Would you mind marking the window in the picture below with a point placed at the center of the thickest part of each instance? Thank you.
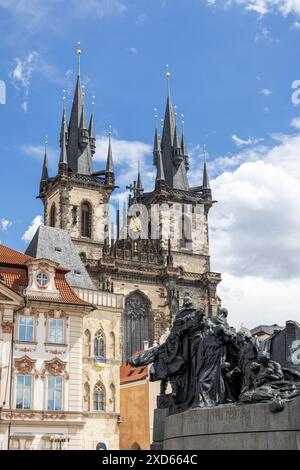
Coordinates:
(99, 344)
(86, 213)
(42, 279)
(54, 402)
(56, 331)
(24, 392)
(53, 216)
(26, 329)
(99, 397)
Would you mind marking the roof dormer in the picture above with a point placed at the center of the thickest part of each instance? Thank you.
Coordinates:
(41, 279)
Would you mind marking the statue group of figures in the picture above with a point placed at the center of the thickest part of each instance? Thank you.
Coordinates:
(207, 363)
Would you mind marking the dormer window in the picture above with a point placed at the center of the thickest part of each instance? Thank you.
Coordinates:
(42, 279)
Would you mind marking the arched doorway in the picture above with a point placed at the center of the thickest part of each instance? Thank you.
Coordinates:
(136, 323)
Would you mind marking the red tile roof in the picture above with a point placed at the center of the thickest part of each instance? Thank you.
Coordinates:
(9, 256)
(13, 271)
(130, 374)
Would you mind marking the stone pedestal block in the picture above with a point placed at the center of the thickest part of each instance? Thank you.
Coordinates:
(229, 427)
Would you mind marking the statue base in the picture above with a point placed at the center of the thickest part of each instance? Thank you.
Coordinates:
(229, 427)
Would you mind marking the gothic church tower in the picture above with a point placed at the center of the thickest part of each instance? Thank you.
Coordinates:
(74, 198)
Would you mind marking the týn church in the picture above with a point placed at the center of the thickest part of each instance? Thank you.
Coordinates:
(131, 270)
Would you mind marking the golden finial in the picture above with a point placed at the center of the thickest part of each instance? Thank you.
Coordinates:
(93, 103)
(78, 52)
(46, 143)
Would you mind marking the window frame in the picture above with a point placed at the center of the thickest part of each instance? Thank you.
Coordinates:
(86, 230)
(21, 376)
(52, 215)
(55, 378)
(101, 390)
(32, 340)
(63, 331)
(99, 335)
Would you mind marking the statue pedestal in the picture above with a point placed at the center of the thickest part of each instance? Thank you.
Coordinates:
(229, 427)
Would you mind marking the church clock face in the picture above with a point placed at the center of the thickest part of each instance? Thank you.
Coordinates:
(136, 224)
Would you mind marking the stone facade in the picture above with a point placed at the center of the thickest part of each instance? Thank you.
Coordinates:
(102, 425)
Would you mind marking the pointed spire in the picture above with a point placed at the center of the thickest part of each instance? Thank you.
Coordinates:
(139, 186)
(205, 184)
(79, 151)
(63, 160)
(160, 182)
(45, 174)
(109, 177)
(183, 142)
(172, 157)
(92, 130)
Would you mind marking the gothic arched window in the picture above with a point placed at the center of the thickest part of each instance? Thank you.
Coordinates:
(53, 215)
(186, 229)
(99, 344)
(87, 343)
(136, 324)
(99, 397)
(86, 220)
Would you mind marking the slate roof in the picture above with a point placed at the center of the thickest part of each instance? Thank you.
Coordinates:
(56, 245)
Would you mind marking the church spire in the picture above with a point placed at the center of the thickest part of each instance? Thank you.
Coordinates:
(184, 146)
(45, 174)
(110, 173)
(160, 182)
(139, 186)
(79, 151)
(92, 130)
(63, 160)
(205, 185)
(172, 157)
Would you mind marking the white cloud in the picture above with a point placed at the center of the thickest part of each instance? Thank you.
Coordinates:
(295, 123)
(126, 155)
(296, 25)
(261, 7)
(99, 8)
(133, 50)
(241, 142)
(37, 12)
(5, 224)
(29, 233)
(21, 75)
(255, 232)
(38, 152)
(265, 92)
(256, 301)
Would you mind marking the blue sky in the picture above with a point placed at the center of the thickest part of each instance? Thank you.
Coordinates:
(232, 65)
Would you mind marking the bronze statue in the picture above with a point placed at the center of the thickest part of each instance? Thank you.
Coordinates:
(208, 364)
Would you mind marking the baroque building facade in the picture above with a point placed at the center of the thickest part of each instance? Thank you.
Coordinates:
(41, 349)
(160, 249)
